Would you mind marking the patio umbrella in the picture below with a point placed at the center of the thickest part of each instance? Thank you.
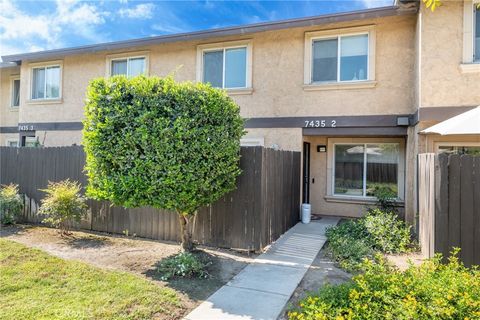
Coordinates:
(465, 123)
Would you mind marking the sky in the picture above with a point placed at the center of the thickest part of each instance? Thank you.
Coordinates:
(29, 26)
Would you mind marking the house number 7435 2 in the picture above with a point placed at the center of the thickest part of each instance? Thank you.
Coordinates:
(320, 123)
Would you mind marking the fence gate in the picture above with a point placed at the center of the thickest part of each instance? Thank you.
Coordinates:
(449, 205)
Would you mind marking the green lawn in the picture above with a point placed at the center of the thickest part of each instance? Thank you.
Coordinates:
(36, 285)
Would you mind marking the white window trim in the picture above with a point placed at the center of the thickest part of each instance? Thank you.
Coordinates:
(469, 65)
(331, 166)
(252, 142)
(58, 63)
(12, 79)
(7, 142)
(127, 56)
(437, 145)
(338, 33)
(224, 46)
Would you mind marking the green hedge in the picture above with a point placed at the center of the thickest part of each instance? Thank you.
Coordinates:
(155, 142)
(430, 291)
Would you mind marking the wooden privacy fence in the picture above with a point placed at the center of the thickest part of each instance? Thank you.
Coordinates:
(449, 205)
(264, 205)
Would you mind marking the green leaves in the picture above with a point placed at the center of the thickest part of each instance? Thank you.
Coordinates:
(155, 142)
(430, 291)
(63, 204)
(11, 204)
(353, 241)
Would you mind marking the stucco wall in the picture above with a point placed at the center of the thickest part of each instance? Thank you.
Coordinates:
(278, 71)
(442, 82)
(8, 115)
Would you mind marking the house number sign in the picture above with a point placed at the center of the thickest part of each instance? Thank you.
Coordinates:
(25, 128)
(320, 124)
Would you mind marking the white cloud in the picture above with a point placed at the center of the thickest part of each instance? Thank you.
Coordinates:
(140, 11)
(24, 32)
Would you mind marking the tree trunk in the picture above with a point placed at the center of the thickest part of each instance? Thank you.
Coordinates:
(186, 231)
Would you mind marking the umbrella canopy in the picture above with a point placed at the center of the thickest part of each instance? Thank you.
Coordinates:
(465, 123)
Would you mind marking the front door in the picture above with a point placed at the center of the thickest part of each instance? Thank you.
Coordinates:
(306, 173)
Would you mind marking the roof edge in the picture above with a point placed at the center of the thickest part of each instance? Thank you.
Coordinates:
(220, 32)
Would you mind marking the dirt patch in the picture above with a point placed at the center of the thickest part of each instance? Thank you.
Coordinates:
(321, 272)
(135, 255)
(403, 261)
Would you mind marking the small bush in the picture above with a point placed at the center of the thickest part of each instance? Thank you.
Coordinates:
(63, 204)
(387, 233)
(430, 291)
(351, 242)
(184, 265)
(11, 204)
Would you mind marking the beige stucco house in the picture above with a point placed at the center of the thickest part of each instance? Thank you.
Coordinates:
(351, 91)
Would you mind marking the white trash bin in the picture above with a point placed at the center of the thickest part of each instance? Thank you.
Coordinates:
(306, 212)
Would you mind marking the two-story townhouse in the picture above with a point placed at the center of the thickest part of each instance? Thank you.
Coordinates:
(351, 91)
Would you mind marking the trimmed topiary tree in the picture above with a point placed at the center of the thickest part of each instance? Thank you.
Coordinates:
(151, 141)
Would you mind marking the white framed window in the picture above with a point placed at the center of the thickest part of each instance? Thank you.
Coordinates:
(225, 65)
(130, 65)
(340, 56)
(15, 91)
(469, 148)
(12, 143)
(358, 167)
(252, 142)
(471, 37)
(46, 81)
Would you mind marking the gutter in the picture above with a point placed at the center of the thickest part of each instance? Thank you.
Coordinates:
(220, 32)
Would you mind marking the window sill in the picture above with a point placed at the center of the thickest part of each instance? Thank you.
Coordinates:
(45, 101)
(472, 67)
(13, 109)
(357, 200)
(340, 85)
(239, 92)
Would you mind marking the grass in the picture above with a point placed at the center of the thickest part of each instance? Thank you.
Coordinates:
(36, 285)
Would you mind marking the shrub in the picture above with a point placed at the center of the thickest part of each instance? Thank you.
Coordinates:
(185, 265)
(63, 204)
(11, 204)
(151, 141)
(387, 233)
(430, 291)
(350, 242)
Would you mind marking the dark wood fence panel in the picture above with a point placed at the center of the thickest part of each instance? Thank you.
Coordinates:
(455, 221)
(264, 205)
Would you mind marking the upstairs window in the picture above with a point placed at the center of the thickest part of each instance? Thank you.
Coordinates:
(15, 98)
(130, 67)
(46, 82)
(225, 68)
(226, 65)
(342, 58)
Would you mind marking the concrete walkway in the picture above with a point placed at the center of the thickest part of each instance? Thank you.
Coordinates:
(261, 290)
